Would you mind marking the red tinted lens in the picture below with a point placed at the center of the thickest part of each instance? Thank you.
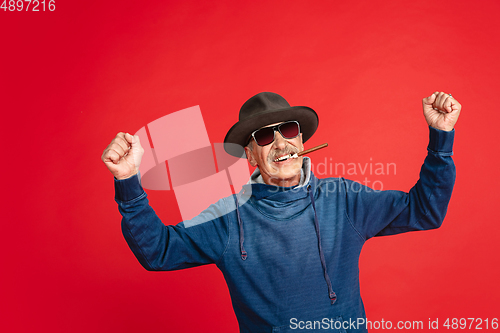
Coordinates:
(289, 130)
(264, 136)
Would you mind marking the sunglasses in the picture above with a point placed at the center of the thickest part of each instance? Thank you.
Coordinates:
(266, 135)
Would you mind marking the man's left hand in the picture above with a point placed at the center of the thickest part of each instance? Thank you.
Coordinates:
(441, 110)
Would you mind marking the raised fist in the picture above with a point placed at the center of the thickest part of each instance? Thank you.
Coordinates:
(441, 110)
(123, 155)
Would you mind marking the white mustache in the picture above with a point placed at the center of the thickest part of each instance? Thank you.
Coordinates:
(272, 156)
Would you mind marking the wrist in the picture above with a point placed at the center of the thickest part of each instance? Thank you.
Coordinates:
(125, 176)
(444, 127)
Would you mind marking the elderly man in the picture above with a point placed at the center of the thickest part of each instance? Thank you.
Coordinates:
(288, 243)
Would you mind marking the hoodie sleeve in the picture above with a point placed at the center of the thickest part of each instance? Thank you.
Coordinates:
(380, 213)
(159, 247)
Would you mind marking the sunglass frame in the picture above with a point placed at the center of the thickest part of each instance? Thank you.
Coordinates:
(276, 128)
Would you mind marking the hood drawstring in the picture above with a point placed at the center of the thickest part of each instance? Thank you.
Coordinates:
(331, 293)
(240, 225)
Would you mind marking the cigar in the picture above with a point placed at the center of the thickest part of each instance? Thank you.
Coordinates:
(296, 155)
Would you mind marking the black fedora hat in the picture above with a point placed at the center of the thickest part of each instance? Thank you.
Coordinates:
(264, 109)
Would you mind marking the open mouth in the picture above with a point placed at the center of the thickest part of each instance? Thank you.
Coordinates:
(296, 155)
(283, 158)
(286, 157)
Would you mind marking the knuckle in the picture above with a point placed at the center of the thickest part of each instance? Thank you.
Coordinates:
(115, 146)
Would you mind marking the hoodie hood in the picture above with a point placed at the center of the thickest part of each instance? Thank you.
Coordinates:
(305, 174)
(275, 202)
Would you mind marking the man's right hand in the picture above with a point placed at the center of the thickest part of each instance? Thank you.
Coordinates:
(123, 155)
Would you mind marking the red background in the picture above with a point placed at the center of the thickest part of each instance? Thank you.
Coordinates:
(72, 78)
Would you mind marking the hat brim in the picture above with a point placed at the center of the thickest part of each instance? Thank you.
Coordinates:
(237, 137)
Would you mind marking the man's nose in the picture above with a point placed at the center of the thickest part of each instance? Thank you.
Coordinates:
(279, 141)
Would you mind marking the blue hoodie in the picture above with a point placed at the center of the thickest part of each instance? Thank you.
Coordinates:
(290, 255)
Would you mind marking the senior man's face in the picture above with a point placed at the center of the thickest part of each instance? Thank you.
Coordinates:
(285, 173)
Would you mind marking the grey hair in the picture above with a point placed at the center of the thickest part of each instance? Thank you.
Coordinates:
(250, 144)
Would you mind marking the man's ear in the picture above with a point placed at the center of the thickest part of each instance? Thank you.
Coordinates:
(250, 157)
